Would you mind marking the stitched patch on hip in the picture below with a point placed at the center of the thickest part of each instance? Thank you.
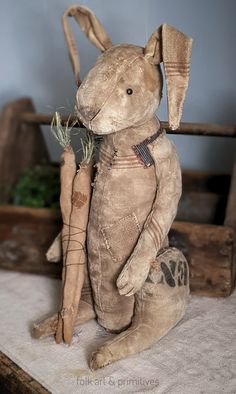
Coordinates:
(120, 238)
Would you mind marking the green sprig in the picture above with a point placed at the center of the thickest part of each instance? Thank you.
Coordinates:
(87, 147)
(63, 136)
(62, 133)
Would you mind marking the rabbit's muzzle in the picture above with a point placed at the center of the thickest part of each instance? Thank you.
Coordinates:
(87, 113)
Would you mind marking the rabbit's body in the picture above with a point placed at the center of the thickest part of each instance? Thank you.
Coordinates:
(136, 278)
(123, 195)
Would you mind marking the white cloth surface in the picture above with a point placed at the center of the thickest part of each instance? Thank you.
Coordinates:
(198, 356)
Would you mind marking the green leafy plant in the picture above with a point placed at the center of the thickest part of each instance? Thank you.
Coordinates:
(38, 187)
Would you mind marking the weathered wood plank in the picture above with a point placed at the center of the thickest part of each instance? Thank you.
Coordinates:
(14, 380)
(209, 251)
(21, 145)
(202, 207)
(230, 217)
(185, 128)
(206, 182)
(26, 233)
(204, 129)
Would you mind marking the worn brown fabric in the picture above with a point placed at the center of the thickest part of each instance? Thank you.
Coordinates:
(133, 206)
(159, 305)
(129, 219)
(91, 27)
(140, 285)
(173, 48)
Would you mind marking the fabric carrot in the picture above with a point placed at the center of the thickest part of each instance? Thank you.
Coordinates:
(54, 253)
(74, 201)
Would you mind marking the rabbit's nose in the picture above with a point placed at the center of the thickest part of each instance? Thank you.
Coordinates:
(87, 112)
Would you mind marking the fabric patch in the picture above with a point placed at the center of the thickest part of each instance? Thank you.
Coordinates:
(79, 199)
(121, 237)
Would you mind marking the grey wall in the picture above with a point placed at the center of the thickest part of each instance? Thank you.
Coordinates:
(34, 61)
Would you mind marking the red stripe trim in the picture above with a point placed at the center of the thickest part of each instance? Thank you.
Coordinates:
(118, 158)
(178, 65)
(157, 225)
(121, 166)
(107, 162)
(134, 160)
(170, 62)
(120, 162)
(154, 234)
(127, 166)
(180, 74)
(177, 68)
(107, 155)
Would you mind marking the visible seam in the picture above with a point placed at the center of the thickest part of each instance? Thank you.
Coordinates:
(126, 67)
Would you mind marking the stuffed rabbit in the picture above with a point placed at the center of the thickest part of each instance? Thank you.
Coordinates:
(140, 285)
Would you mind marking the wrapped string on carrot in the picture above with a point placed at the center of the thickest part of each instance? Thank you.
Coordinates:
(74, 202)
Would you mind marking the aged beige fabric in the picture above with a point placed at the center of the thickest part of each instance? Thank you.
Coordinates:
(140, 285)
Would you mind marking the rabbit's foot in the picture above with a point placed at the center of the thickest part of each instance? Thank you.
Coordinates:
(48, 327)
(100, 358)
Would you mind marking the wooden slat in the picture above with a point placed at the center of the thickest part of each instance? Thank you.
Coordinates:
(14, 380)
(203, 129)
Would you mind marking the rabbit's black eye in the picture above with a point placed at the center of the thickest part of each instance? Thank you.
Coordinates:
(129, 91)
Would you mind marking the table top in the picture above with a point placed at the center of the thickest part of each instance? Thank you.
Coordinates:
(197, 356)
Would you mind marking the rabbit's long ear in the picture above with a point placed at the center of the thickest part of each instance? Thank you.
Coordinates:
(91, 27)
(173, 48)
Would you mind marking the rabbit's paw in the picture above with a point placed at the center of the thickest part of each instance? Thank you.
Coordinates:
(100, 358)
(132, 277)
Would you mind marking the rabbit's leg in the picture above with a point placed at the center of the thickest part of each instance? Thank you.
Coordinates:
(159, 306)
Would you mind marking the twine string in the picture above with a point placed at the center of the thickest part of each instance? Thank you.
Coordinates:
(69, 239)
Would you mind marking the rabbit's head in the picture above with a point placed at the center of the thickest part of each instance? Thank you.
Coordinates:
(124, 87)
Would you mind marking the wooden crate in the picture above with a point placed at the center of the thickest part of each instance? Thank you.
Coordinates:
(21, 144)
(204, 229)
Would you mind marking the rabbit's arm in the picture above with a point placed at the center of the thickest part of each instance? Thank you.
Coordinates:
(159, 221)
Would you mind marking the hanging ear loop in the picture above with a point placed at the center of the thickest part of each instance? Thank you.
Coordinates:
(70, 40)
